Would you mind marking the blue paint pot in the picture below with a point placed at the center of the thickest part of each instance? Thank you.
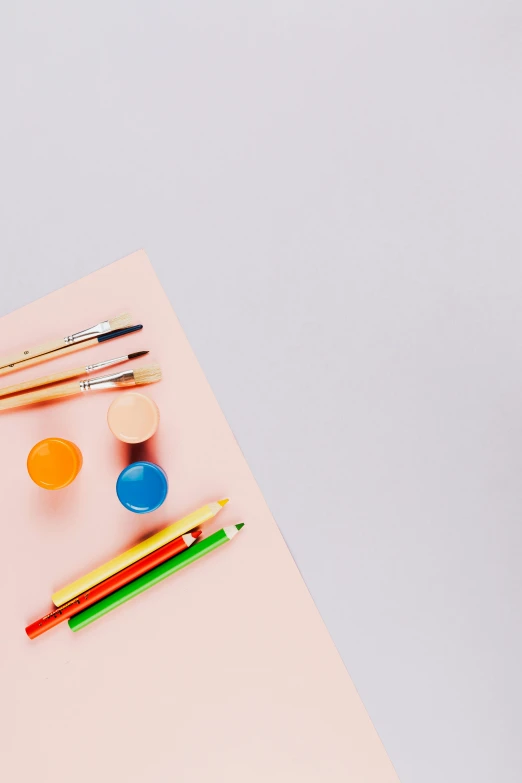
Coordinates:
(142, 487)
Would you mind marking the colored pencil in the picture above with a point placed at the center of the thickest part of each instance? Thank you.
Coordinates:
(120, 322)
(76, 372)
(196, 519)
(71, 348)
(151, 578)
(111, 585)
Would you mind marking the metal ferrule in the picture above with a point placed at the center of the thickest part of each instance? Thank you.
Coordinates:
(92, 331)
(101, 365)
(109, 381)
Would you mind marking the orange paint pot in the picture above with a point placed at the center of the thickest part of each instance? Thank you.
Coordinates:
(54, 463)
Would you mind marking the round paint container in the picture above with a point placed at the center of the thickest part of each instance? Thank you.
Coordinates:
(133, 417)
(54, 463)
(142, 487)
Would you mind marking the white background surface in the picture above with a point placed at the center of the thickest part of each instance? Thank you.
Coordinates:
(331, 196)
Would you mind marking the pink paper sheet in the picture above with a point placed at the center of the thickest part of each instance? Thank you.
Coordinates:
(224, 672)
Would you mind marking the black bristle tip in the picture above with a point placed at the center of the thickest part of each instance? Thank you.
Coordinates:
(119, 333)
(137, 354)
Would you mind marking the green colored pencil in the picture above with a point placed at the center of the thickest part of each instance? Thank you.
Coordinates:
(202, 547)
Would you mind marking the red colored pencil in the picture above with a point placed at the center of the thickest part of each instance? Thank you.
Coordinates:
(110, 585)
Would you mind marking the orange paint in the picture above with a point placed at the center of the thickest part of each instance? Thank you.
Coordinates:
(54, 463)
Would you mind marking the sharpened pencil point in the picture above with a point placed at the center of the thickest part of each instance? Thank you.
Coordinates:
(196, 533)
(241, 524)
(223, 502)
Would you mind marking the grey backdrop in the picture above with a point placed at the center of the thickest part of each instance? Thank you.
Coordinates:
(331, 195)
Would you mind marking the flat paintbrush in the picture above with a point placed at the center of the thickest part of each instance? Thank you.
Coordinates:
(71, 348)
(137, 377)
(77, 372)
(120, 322)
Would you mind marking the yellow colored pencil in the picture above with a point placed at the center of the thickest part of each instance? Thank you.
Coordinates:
(105, 571)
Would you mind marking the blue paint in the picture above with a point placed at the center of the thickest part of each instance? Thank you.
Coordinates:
(142, 487)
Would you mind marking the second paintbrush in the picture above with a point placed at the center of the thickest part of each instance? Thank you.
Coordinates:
(136, 377)
(77, 372)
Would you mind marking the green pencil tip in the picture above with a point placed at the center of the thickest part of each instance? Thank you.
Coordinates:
(241, 524)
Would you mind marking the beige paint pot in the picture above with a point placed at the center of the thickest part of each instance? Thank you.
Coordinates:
(133, 417)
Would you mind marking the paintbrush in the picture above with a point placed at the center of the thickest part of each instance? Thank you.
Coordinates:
(71, 348)
(120, 322)
(77, 372)
(137, 377)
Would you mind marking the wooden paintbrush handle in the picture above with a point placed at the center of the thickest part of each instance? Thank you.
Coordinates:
(31, 353)
(45, 380)
(48, 356)
(42, 395)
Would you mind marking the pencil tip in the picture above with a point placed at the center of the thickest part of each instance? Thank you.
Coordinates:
(240, 525)
(196, 533)
(223, 502)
